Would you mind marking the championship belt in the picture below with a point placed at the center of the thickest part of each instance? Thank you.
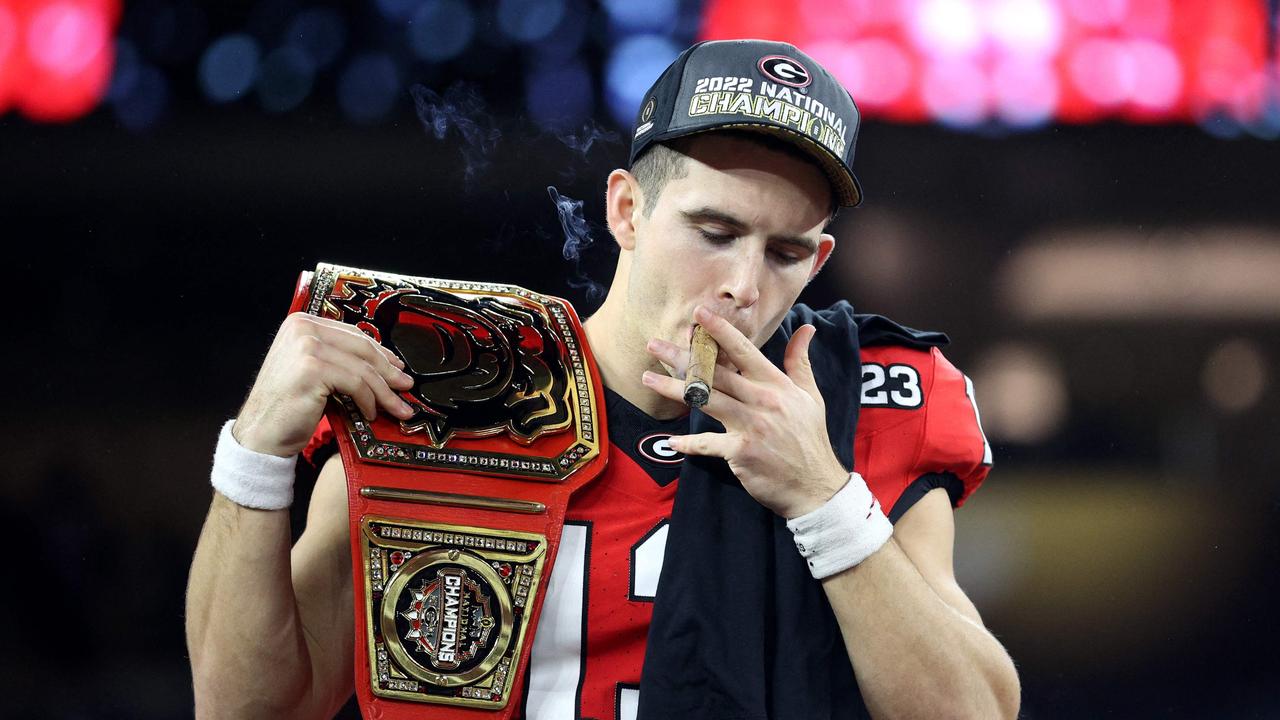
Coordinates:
(456, 512)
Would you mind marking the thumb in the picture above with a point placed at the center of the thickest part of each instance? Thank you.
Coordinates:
(796, 360)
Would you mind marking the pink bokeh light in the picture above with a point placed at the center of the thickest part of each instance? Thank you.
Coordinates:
(1025, 62)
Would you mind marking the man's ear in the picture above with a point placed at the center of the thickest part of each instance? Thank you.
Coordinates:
(622, 204)
(826, 244)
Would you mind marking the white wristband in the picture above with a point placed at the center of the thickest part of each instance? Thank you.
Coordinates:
(843, 532)
(249, 478)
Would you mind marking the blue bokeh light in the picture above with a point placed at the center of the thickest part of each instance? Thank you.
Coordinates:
(321, 33)
(368, 88)
(285, 79)
(1222, 125)
(631, 16)
(398, 10)
(559, 96)
(229, 67)
(529, 20)
(268, 18)
(634, 66)
(141, 105)
(441, 29)
(1267, 125)
(564, 42)
(125, 73)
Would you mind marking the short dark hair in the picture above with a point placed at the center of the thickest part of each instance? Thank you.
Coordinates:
(663, 162)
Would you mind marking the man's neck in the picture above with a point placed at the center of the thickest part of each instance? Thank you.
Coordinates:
(622, 358)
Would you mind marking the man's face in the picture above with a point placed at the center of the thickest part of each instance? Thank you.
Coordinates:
(741, 233)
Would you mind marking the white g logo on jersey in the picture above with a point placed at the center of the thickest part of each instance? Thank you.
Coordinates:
(657, 448)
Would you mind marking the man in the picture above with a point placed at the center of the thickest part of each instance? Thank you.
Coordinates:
(740, 157)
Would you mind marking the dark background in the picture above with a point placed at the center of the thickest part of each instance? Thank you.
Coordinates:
(1126, 555)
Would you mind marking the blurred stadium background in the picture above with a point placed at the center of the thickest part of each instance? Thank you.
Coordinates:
(1083, 193)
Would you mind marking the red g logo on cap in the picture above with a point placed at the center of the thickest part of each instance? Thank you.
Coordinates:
(785, 70)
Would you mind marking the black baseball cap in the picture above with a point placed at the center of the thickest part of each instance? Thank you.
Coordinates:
(758, 86)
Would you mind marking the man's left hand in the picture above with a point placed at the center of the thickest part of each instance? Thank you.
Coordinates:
(775, 438)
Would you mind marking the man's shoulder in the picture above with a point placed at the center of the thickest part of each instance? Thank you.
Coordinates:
(872, 329)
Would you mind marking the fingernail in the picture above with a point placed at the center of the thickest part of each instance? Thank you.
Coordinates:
(647, 378)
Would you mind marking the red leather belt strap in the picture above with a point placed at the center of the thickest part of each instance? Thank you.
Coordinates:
(456, 513)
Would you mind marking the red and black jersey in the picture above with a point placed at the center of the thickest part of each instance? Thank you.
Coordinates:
(918, 429)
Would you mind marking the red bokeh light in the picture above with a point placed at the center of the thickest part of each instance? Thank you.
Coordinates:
(56, 56)
(1025, 61)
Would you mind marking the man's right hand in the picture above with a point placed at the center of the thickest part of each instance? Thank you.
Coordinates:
(310, 359)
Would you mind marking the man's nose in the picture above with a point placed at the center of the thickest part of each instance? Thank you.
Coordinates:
(741, 286)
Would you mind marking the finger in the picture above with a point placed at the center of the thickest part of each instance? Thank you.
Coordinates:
(358, 376)
(342, 381)
(677, 357)
(715, 444)
(737, 346)
(357, 341)
(352, 341)
(726, 377)
(720, 405)
(796, 359)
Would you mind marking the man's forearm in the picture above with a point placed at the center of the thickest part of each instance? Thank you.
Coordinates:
(248, 654)
(914, 655)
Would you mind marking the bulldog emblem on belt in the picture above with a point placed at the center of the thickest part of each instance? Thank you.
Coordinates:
(481, 366)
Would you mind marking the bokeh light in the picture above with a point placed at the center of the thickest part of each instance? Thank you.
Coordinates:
(988, 64)
(956, 92)
(529, 20)
(141, 103)
(8, 56)
(321, 33)
(441, 30)
(285, 79)
(64, 38)
(653, 16)
(1025, 27)
(1025, 91)
(59, 57)
(634, 66)
(1022, 392)
(398, 10)
(229, 67)
(947, 27)
(1235, 375)
(559, 96)
(125, 73)
(368, 88)
(564, 41)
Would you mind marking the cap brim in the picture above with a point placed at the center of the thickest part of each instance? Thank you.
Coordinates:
(848, 190)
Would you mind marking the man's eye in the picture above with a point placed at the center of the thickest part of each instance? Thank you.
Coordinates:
(785, 258)
(716, 238)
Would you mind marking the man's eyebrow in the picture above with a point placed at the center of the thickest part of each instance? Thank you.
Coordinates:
(705, 214)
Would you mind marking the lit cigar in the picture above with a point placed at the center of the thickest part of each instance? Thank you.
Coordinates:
(702, 367)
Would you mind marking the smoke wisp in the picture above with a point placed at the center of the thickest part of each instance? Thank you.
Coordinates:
(582, 140)
(577, 238)
(462, 110)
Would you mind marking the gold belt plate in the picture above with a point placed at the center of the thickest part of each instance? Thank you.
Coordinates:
(447, 609)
